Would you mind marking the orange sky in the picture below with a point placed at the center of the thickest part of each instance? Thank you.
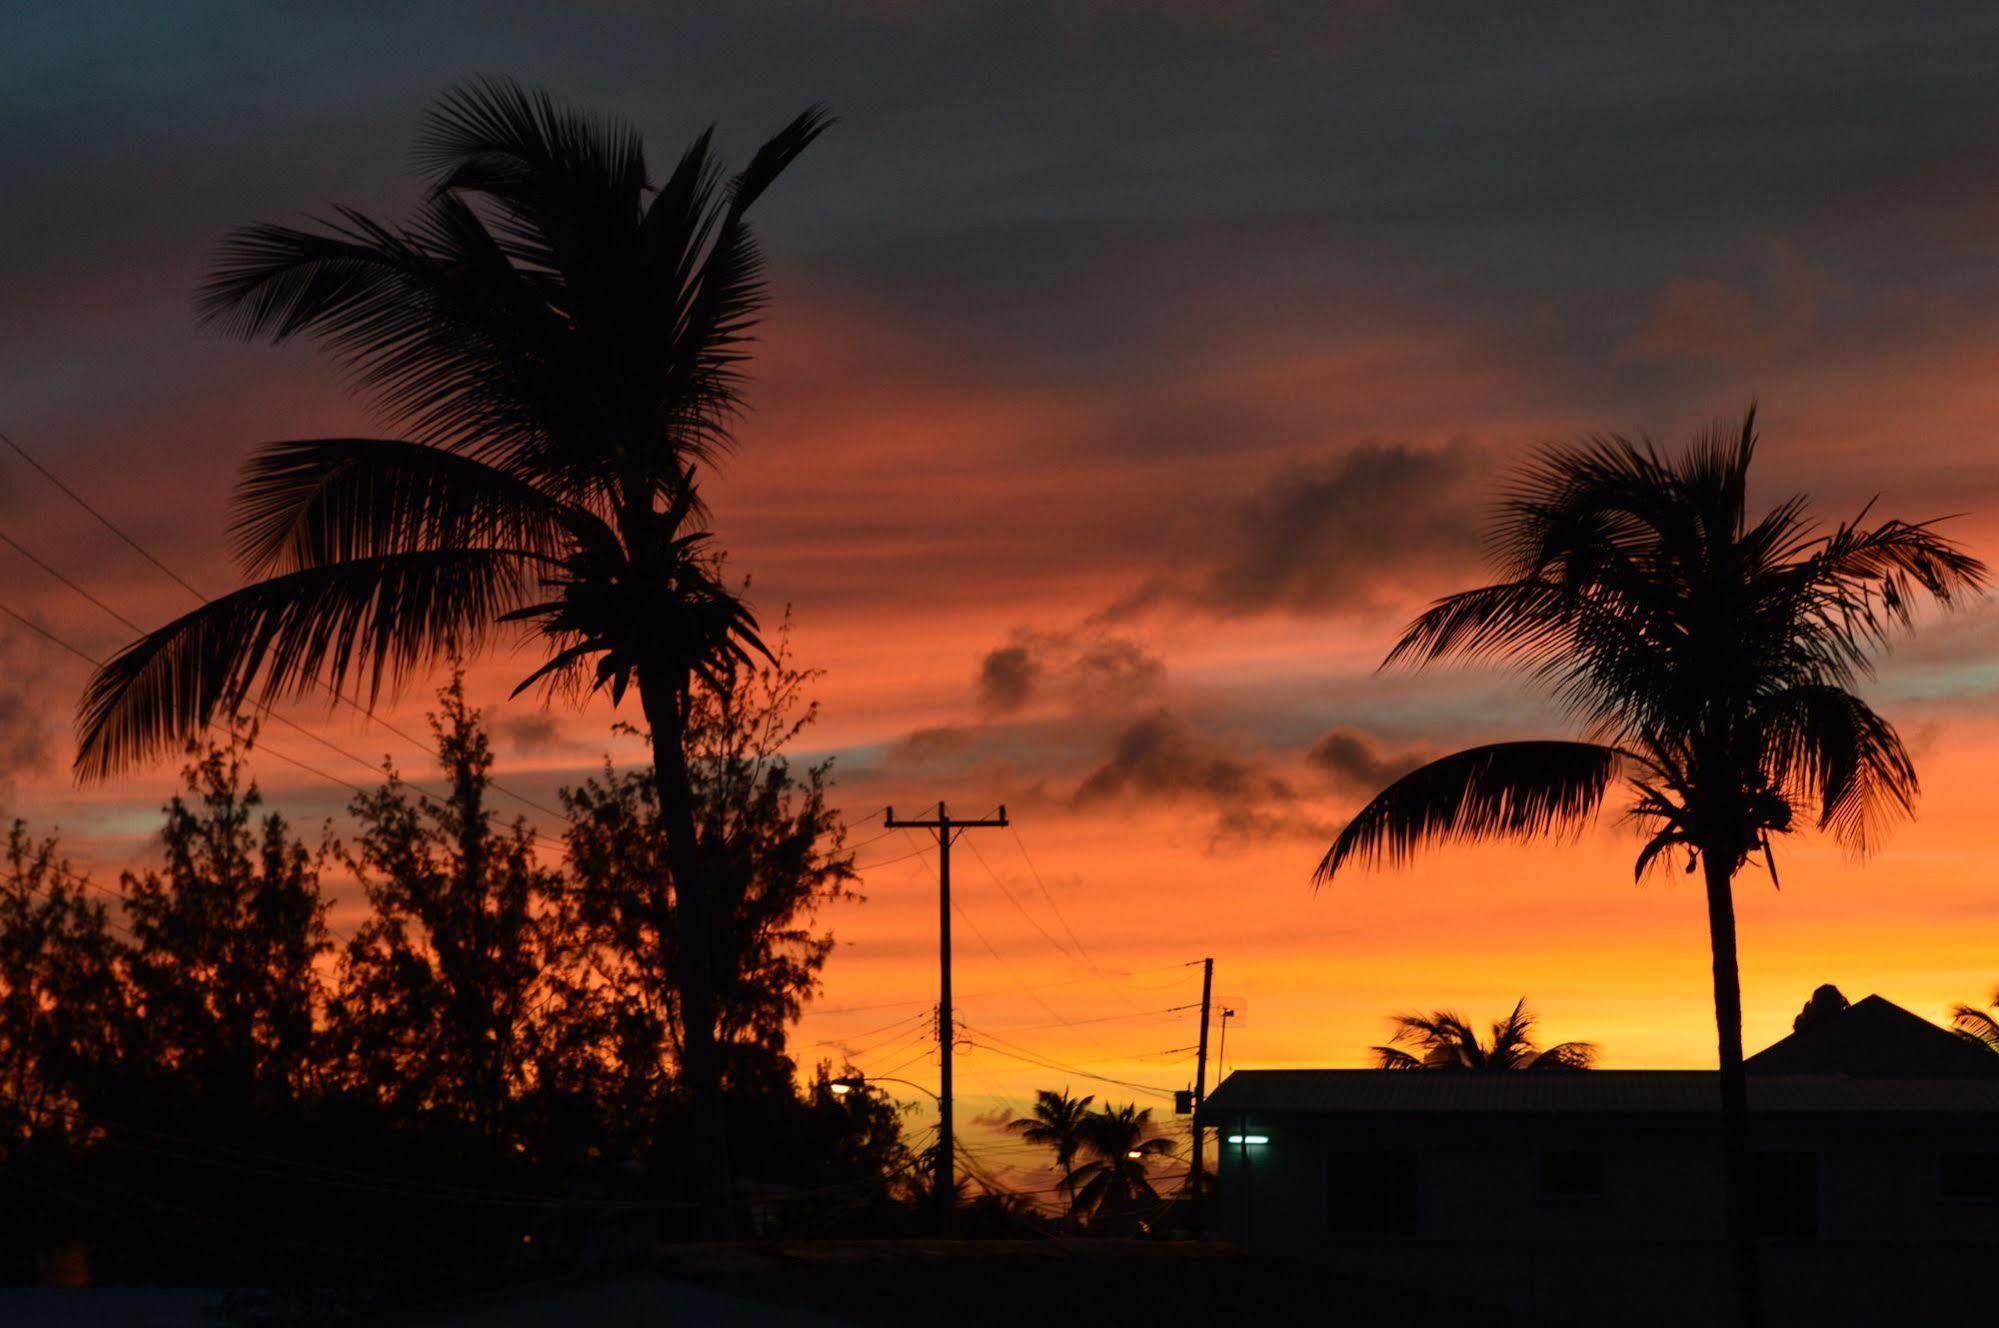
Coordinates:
(1180, 404)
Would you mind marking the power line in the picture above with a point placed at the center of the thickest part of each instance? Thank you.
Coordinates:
(1101, 975)
(102, 520)
(1049, 895)
(1100, 1019)
(88, 658)
(127, 623)
(1032, 921)
(1018, 1052)
(182, 581)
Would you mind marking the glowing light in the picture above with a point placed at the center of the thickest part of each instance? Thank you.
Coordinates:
(1249, 1138)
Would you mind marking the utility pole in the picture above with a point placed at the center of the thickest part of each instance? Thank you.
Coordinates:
(1201, 1086)
(947, 1033)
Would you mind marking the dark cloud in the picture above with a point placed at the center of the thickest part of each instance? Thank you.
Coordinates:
(27, 740)
(1111, 670)
(998, 1118)
(1331, 535)
(932, 744)
(1162, 757)
(1354, 763)
(1087, 669)
(1006, 678)
(538, 732)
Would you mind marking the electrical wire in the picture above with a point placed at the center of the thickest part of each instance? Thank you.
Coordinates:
(183, 582)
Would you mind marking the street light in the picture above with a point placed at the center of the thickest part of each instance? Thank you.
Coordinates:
(858, 1083)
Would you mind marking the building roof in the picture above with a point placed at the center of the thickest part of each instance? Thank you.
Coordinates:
(1619, 1092)
(1875, 1039)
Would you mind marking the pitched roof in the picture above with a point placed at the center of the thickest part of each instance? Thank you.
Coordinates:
(1637, 1092)
(1875, 1039)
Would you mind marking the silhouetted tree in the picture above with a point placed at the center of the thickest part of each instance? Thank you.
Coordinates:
(564, 343)
(1978, 1025)
(763, 831)
(1442, 1040)
(439, 990)
(1108, 1188)
(1057, 1125)
(222, 968)
(1827, 1002)
(61, 1006)
(1709, 656)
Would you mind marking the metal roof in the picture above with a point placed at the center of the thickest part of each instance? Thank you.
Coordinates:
(1632, 1092)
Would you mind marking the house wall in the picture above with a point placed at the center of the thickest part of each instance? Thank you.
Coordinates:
(1648, 1249)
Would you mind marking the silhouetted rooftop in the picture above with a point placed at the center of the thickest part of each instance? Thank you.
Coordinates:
(1644, 1092)
(1875, 1039)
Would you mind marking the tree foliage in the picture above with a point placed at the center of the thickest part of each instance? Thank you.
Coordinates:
(1445, 1040)
(1113, 1186)
(483, 1076)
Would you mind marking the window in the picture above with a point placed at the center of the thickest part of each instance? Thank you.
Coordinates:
(1972, 1176)
(1572, 1173)
(1371, 1192)
(1784, 1194)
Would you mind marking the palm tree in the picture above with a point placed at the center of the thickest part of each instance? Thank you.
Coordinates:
(1057, 1124)
(1976, 1025)
(562, 343)
(1442, 1040)
(1106, 1187)
(1709, 658)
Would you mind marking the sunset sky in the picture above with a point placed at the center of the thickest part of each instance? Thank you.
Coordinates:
(1134, 372)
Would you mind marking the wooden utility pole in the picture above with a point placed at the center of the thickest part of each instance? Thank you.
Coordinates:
(947, 1033)
(1201, 1088)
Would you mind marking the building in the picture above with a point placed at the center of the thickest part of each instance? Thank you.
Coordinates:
(1596, 1197)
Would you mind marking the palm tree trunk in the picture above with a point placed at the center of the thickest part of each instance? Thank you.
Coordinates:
(1734, 1086)
(694, 930)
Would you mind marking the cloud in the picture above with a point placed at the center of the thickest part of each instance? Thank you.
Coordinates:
(1771, 312)
(935, 743)
(1355, 764)
(27, 746)
(998, 1118)
(1006, 678)
(1161, 757)
(1086, 668)
(538, 732)
(1332, 535)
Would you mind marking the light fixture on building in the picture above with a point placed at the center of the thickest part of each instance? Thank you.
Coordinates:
(1249, 1138)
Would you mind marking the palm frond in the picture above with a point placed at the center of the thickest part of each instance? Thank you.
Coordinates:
(369, 621)
(1395, 1058)
(569, 185)
(728, 292)
(315, 501)
(1866, 581)
(436, 321)
(1831, 748)
(1977, 1025)
(1509, 789)
(1565, 1056)
(1513, 1036)
(1527, 619)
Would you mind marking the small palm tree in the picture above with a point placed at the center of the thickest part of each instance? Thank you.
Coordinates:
(1977, 1025)
(1121, 1148)
(1057, 1124)
(563, 343)
(1442, 1040)
(1709, 656)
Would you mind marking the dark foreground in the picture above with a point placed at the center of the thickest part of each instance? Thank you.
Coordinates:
(884, 1284)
